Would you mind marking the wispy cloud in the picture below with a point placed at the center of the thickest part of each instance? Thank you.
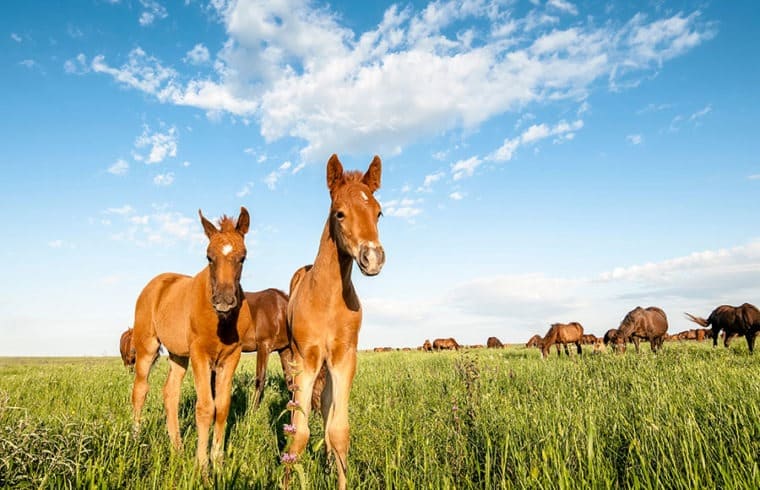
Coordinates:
(160, 145)
(275, 175)
(403, 208)
(159, 227)
(635, 139)
(245, 190)
(430, 179)
(456, 196)
(562, 131)
(198, 55)
(649, 108)
(695, 119)
(164, 180)
(754, 177)
(465, 168)
(16, 37)
(120, 167)
(152, 11)
(77, 65)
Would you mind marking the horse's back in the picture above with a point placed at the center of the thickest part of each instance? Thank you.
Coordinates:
(163, 311)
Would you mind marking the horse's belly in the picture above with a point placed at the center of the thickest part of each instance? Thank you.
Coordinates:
(173, 334)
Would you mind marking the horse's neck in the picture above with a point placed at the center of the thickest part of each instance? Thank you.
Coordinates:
(332, 269)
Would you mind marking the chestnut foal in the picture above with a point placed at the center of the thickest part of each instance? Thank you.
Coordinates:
(324, 314)
(201, 319)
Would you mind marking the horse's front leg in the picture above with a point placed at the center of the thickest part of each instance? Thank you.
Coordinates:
(636, 344)
(262, 356)
(204, 405)
(342, 368)
(305, 371)
(224, 375)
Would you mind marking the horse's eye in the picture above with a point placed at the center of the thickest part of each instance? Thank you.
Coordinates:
(242, 259)
(379, 214)
(340, 215)
(208, 257)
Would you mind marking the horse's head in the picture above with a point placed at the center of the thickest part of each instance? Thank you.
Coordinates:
(354, 214)
(226, 254)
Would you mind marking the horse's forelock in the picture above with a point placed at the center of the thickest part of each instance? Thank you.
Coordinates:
(227, 224)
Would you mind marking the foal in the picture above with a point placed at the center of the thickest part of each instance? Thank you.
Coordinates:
(324, 314)
(201, 319)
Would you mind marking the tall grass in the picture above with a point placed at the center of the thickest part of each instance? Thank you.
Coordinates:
(688, 417)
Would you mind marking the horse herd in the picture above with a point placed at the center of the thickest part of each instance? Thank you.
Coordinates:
(207, 321)
(640, 324)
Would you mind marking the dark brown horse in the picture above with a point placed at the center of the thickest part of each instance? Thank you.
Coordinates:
(562, 333)
(269, 310)
(733, 320)
(324, 312)
(445, 344)
(494, 343)
(648, 324)
(200, 320)
(427, 346)
(610, 337)
(126, 348)
(534, 341)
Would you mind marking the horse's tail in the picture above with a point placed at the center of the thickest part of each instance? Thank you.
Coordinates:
(698, 320)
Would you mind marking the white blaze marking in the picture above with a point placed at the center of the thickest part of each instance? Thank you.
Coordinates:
(364, 196)
(226, 249)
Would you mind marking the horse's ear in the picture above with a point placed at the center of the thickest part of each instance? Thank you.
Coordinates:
(243, 221)
(334, 173)
(208, 226)
(372, 177)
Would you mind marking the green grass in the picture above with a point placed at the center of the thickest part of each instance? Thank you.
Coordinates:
(686, 418)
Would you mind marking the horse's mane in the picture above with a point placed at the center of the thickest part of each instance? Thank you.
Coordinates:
(353, 176)
(227, 224)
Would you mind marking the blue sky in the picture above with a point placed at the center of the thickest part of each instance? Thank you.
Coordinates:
(542, 160)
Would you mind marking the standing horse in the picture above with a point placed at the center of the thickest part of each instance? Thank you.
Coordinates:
(649, 324)
(562, 333)
(126, 349)
(427, 346)
(324, 313)
(199, 319)
(734, 320)
(269, 310)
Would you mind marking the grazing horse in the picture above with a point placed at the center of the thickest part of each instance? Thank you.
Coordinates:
(494, 343)
(126, 349)
(445, 344)
(199, 319)
(427, 346)
(734, 320)
(589, 339)
(649, 324)
(534, 341)
(562, 333)
(324, 313)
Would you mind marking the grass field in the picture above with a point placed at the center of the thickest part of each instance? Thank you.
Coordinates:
(686, 418)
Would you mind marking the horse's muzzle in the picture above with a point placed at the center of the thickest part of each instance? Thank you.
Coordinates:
(371, 259)
(225, 302)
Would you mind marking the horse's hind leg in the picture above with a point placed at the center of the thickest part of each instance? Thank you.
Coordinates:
(172, 389)
(144, 358)
(262, 356)
(751, 341)
(578, 346)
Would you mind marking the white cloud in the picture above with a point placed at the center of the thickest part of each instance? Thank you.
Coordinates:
(29, 63)
(305, 75)
(695, 119)
(564, 6)
(55, 244)
(164, 180)
(245, 190)
(274, 176)
(160, 145)
(160, 227)
(465, 168)
(153, 10)
(77, 65)
(120, 167)
(430, 180)
(635, 139)
(754, 177)
(16, 37)
(457, 196)
(198, 55)
(402, 208)
(562, 131)
(653, 108)
(700, 113)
